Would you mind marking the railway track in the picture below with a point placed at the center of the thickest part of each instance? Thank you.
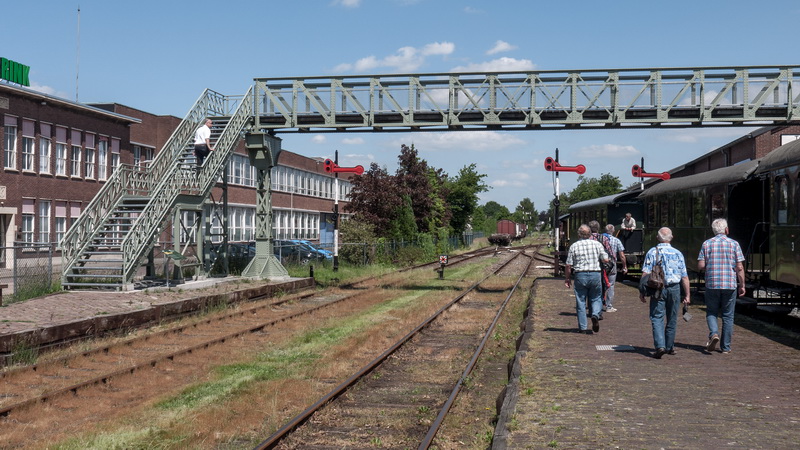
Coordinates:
(401, 398)
(106, 371)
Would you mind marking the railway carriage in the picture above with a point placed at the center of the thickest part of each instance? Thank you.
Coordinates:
(761, 201)
(507, 231)
(610, 209)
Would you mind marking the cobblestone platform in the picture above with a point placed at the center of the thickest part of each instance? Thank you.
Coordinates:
(605, 390)
(76, 314)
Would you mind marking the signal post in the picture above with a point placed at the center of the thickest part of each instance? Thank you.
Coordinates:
(333, 167)
(552, 165)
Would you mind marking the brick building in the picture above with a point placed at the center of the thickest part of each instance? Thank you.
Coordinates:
(749, 147)
(58, 153)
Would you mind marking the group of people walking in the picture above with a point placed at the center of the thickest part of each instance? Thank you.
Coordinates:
(720, 256)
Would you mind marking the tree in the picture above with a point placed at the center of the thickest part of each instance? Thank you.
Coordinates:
(462, 196)
(525, 212)
(590, 188)
(376, 198)
(587, 189)
(496, 211)
(415, 180)
(403, 227)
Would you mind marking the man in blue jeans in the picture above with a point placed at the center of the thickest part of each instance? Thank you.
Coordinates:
(667, 301)
(721, 257)
(584, 258)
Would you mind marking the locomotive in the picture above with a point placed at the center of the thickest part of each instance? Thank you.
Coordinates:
(759, 198)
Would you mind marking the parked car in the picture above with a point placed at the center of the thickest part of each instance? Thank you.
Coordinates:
(327, 254)
(289, 252)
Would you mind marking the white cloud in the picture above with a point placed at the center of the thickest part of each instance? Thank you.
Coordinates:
(439, 48)
(691, 136)
(503, 64)
(405, 59)
(501, 46)
(478, 141)
(471, 10)
(353, 141)
(608, 151)
(348, 3)
(319, 139)
(517, 179)
(48, 90)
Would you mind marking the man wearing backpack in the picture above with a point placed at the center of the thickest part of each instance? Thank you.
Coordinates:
(666, 301)
(616, 253)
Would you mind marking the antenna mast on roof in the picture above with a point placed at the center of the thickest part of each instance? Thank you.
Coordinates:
(78, 57)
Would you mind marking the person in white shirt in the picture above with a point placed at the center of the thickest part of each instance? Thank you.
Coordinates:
(202, 143)
(628, 225)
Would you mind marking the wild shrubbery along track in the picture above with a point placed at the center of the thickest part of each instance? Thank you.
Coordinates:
(393, 400)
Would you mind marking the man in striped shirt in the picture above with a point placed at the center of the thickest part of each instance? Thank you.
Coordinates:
(721, 257)
(584, 258)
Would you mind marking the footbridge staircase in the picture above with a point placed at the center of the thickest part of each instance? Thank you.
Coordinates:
(113, 236)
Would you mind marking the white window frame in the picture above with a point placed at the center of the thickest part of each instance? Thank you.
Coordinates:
(10, 147)
(62, 158)
(44, 213)
(89, 163)
(28, 153)
(75, 163)
(102, 160)
(44, 154)
(60, 221)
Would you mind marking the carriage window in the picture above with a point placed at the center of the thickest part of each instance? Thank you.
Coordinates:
(651, 214)
(717, 206)
(782, 200)
(664, 210)
(699, 218)
(680, 211)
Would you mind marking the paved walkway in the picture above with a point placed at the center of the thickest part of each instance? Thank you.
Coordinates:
(605, 390)
(73, 314)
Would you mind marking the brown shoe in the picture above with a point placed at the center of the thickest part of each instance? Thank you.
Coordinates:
(712, 344)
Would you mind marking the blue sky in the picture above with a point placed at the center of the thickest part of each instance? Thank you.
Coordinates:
(159, 56)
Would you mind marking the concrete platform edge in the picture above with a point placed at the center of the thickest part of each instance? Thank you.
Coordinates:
(93, 326)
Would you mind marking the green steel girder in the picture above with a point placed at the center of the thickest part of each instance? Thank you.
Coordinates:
(710, 96)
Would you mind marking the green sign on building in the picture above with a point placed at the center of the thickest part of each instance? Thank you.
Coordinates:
(14, 72)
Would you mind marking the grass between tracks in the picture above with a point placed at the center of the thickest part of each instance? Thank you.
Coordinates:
(280, 379)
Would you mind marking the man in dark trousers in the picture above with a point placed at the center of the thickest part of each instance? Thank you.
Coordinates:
(202, 143)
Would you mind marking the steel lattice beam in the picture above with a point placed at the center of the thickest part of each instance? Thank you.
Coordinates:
(706, 96)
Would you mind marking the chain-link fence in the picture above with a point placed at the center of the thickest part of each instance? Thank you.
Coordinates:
(28, 271)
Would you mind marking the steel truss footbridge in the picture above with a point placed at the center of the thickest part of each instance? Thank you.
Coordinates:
(119, 229)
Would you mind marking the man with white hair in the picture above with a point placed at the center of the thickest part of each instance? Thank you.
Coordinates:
(667, 300)
(583, 259)
(721, 257)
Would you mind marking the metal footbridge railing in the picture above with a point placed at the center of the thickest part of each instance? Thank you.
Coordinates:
(157, 188)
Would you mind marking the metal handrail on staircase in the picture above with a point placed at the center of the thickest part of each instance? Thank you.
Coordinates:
(176, 181)
(128, 180)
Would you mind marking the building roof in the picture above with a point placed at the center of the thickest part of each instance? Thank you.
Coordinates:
(730, 174)
(785, 155)
(608, 199)
(40, 96)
